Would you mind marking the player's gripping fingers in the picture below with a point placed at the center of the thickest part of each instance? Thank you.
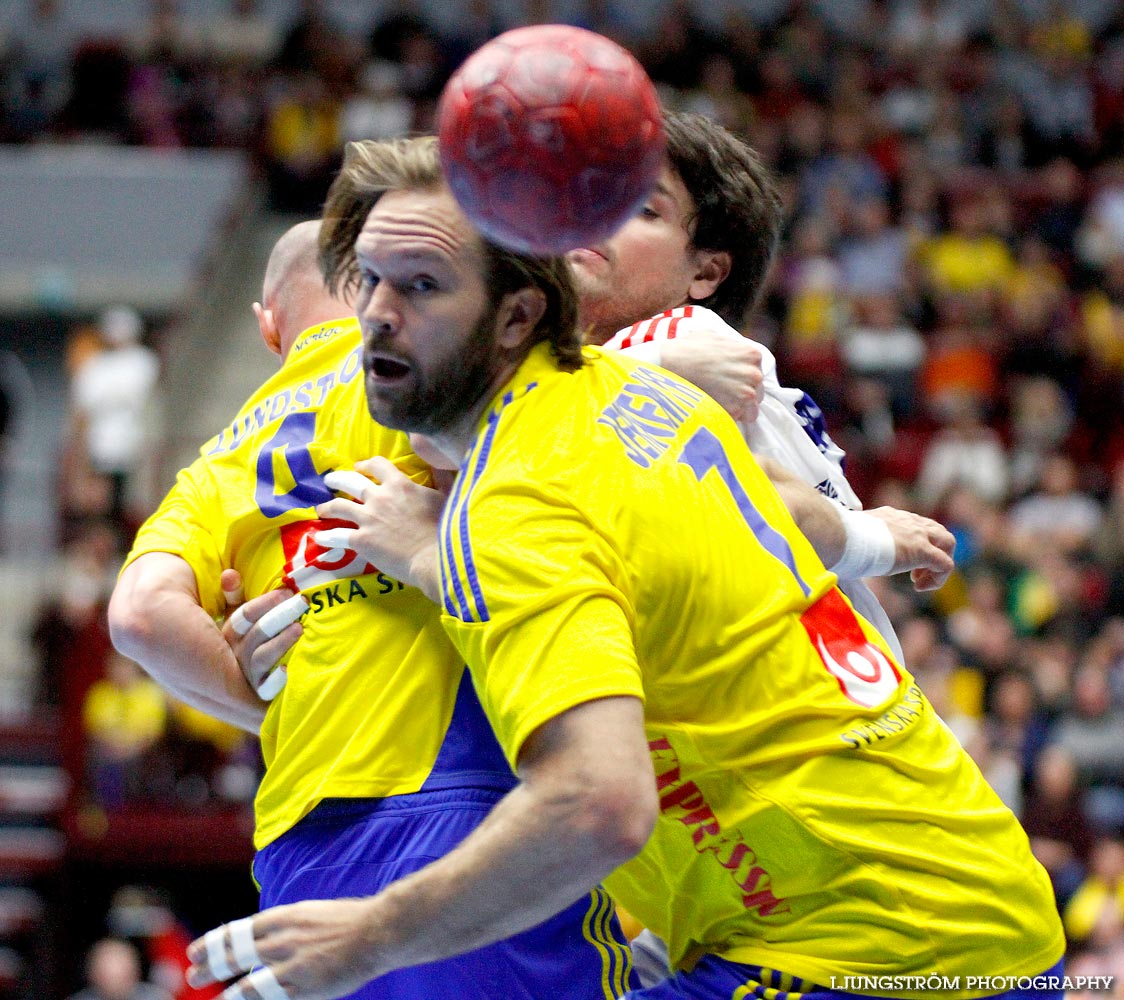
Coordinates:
(339, 537)
(380, 469)
(247, 615)
(313, 950)
(222, 953)
(260, 633)
(345, 481)
(261, 984)
(340, 509)
(919, 543)
(231, 582)
(926, 579)
(229, 950)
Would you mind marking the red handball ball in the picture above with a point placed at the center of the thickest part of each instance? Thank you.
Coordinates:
(550, 138)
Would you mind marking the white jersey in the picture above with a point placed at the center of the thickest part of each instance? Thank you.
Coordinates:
(789, 429)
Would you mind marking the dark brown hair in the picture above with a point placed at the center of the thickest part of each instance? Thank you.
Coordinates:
(370, 169)
(737, 207)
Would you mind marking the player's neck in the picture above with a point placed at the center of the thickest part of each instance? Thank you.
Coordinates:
(456, 439)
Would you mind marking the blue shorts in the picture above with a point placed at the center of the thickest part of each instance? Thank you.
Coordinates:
(714, 978)
(357, 847)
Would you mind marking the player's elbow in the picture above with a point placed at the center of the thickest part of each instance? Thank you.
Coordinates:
(135, 622)
(619, 817)
(130, 624)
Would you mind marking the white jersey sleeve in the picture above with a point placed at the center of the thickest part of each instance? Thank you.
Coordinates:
(789, 429)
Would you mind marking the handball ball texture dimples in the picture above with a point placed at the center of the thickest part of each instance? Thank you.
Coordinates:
(550, 138)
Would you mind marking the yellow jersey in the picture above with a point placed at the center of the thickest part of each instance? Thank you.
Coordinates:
(610, 534)
(374, 704)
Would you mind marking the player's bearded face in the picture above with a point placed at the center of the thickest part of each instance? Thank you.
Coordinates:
(428, 323)
(647, 266)
(440, 391)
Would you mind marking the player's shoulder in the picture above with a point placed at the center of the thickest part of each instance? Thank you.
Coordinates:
(554, 427)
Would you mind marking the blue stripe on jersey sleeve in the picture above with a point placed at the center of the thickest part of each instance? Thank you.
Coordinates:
(451, 582)
(455, 519)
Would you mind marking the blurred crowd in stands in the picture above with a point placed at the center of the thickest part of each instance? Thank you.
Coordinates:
(950, 289)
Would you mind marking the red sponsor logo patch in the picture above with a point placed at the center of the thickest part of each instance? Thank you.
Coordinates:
(309, 564)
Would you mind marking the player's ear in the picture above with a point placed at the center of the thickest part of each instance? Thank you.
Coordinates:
(518, 315)
(267, 325)
(712, 268)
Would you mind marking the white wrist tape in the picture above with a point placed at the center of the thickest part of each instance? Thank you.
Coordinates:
(870, 549)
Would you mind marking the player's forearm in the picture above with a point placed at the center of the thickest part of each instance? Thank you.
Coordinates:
(818, 519)
(544, 845)
(166, 631)
(531, 860)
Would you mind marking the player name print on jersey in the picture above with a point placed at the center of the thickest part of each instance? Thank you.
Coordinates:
(647, 412)
(682, 799)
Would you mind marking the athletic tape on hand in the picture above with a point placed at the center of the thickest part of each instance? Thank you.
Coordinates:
(277, 619)
(265, 982)
(239, 622)
(334, 538)
(242, 943)
(215, 942)
(870, 548)
(345, 481)
(274, 681)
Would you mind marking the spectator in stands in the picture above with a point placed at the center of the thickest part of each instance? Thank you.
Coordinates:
(1015, 724)
(1103, 316)
(1057, 511)
(70, 636)
(1054, 819)
(1041, 422)
(960, 362)
(965, 452)
(124, 716)
(113, 971)
(879, 344)
(1102, 230)
(1095, 913)
(241, 36)
(873, 254)
(302, 143)
(924, 29)
(845, 170)
(1058, 220)
(1090, 731)
(982, 631)
(112, 400)
(1057, 96)
(37, 83)
(145, 915)
(968, 258)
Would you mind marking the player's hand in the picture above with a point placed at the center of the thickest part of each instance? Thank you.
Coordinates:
(395, 522)
(260, 633)
(723, 364)
(921, 545)
(314, 950)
